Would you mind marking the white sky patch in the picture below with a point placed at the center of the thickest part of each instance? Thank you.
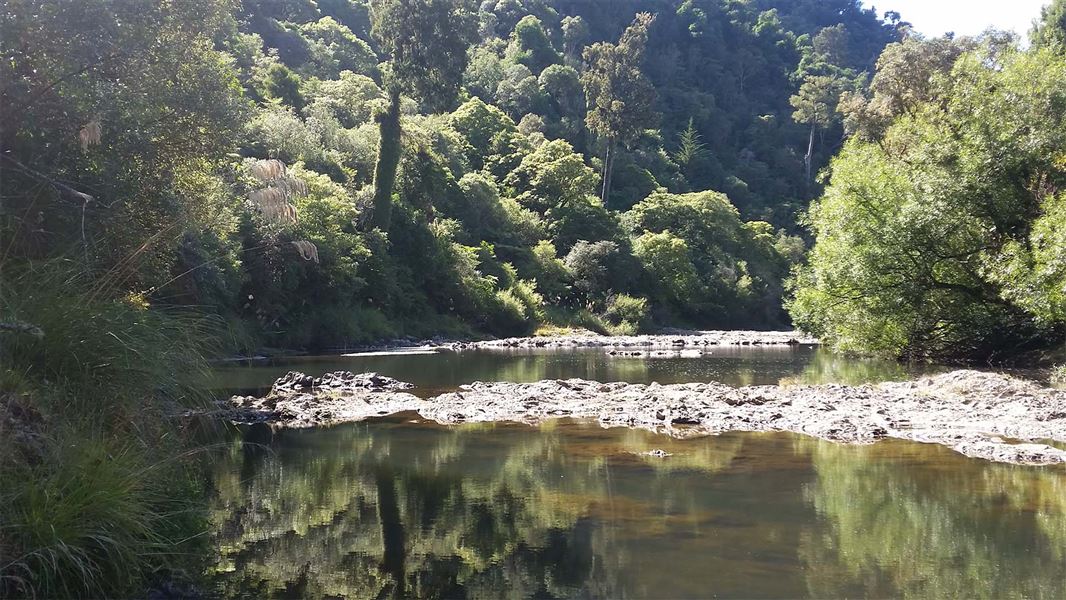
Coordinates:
(964, 17)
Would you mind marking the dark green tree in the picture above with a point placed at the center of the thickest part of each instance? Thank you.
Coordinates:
(425, 42)
(530, 45)
(284, 85)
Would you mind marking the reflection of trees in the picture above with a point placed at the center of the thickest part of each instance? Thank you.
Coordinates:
(423, 511)
(827, 367)
(959, 528)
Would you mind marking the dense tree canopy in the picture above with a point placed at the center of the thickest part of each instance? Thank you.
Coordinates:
(942, 238)
(326, 173)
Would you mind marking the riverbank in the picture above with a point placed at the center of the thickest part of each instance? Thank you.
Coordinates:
(577, 338)
(982, 415)
(673, 339)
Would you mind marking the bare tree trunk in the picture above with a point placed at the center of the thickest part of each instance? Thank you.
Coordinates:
(807, 160)
(608, 167)
(388, 162)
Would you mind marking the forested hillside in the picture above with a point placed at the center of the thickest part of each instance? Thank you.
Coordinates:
(197, 178)
(334, 172)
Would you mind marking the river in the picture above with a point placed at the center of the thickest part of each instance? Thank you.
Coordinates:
(400, 507)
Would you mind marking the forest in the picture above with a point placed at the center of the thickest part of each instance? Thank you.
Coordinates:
(187, 180)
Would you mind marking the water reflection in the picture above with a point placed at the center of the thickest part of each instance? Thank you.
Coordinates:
(409, 509)
(906, 522)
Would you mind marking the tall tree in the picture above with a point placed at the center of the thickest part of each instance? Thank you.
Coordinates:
(426, 43)
(815, 105)
(620, 96)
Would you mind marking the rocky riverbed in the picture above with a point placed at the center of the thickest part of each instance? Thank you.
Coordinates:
(681, 339)
(983, 415)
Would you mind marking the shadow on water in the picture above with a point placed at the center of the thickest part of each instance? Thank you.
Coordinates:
(403, 508)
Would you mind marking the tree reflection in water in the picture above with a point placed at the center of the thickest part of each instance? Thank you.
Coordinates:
(409, 509)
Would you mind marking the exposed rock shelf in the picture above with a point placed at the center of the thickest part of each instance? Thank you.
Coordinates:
(695, 339)
(982, 415)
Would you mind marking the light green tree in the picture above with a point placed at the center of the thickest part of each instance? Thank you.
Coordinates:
(1050, 29)
(815, 105)
(620, 96)
(942, 239)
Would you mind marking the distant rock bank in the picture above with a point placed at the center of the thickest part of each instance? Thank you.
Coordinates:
(687, 339)
(982, 415)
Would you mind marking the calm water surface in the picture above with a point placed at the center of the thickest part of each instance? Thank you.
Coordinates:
(433, 373)
(402, 508)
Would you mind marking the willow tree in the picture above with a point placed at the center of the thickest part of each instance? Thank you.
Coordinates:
(425, 42)
(620, 96)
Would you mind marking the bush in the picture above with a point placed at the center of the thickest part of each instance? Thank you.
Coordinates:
(552, 277)
(509, 316)
(591, 266)
(1058, 374)
(622, 308)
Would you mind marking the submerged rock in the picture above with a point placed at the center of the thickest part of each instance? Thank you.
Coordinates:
(983, 415)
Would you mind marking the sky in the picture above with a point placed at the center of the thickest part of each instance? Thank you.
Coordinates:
(964, 17)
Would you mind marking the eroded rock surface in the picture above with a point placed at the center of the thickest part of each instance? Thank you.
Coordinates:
(983, 415)
(299, 400)
(696, 339)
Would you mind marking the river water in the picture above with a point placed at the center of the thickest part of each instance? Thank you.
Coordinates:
(404, 508)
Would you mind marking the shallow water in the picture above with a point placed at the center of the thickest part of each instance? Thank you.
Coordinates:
(434, 373)
(405, 508)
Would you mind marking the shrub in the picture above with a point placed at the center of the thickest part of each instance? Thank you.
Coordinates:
(622, 308)
(590, 264)
(1058, 374)
(509, 316)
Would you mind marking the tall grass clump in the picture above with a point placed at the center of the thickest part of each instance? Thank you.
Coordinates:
(1058, 374)
(97, 484)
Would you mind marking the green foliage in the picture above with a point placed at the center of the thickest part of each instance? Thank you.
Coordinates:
(92, 518)
(667, 258)
(909, 73)
(1058, 374)
(689, 148)
(624, 310)
(620, 95)
(99, 340)
(530, 45)
(1050, 30)
(708, 264)
(334, 49)
(551, 176)
(575, 34)
(284, 85)
(426, 42)
(597, 269)
(85, 398)
(942, 240)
